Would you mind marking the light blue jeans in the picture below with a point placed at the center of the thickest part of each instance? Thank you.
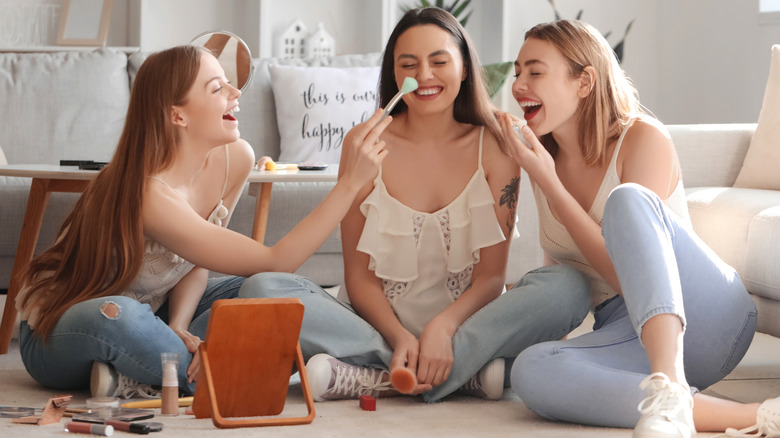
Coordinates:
(546, 304)
(131, 342)
(664, 268)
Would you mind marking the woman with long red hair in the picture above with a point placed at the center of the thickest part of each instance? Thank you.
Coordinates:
(127, 277)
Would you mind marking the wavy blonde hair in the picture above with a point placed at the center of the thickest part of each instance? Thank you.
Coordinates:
(98, 251)
(612, 102)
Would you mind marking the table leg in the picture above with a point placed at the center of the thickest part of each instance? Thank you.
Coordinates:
(31, 227)
(261, 211)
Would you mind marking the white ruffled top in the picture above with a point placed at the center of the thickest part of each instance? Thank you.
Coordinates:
(425, 260)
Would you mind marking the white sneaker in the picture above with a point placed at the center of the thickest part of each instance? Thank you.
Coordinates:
(106, 382)
(332, 379)
(767, 422)
(667, 411)
(488, 383)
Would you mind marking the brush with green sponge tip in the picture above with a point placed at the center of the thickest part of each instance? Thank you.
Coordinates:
(409, 85)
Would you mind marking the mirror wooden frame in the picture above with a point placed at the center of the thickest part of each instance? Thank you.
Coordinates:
(80, 29)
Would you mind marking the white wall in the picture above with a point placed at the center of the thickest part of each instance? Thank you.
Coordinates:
(713, 60)
(693, 61)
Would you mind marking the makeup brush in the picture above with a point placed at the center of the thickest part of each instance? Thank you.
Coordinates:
(409, 85)
(403, 380)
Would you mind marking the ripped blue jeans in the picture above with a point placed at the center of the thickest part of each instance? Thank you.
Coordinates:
(127, 335)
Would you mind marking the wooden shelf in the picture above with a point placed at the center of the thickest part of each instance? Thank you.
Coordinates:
(28, 49)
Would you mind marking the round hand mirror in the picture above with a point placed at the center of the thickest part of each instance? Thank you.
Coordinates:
(232, 53)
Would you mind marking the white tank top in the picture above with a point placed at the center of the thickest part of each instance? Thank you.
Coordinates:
(558, 244)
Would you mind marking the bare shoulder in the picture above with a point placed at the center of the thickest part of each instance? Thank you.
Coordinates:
(241, 153)
(496, 163)
(648, 132)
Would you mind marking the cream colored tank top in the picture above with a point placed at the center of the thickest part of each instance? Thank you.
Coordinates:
(160, 271)
(425, 260)
(558, 244)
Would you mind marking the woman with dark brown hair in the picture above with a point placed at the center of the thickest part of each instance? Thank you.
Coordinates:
(426, 243)
(127, 277)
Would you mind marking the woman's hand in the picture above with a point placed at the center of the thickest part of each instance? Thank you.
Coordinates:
(405, 354)
(534, 159)
(365, 152)
(436, 357)
(260, 164)
(192, 343)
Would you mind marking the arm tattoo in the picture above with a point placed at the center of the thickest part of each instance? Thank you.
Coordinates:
(509, 198)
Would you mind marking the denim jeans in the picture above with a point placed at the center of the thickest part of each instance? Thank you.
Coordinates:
(131, 342)
(663, 268)
(546, 304)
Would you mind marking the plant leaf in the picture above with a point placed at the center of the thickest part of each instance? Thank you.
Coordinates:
(459, 10)
(465, 19)
(619, 52)
(495, 75)
(555, 11)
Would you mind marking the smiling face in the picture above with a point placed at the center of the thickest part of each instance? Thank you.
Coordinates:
(544, 87)
(209, 106)
(430, 55)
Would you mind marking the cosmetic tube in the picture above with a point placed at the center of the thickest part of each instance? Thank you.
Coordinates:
(124, 426)
(170, 384)
(94, 429)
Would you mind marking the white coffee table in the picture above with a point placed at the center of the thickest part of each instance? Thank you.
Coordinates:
(47, 179)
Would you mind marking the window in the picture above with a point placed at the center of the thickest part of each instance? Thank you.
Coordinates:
(769, 11)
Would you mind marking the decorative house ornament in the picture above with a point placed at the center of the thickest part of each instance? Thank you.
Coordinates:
(320, 44)
(292, 42)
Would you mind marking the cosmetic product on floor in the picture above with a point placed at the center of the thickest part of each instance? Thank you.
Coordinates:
(94, 429)
(102, 402)
(156, 403)
(170, 383)
(123, 426)
(100, 415)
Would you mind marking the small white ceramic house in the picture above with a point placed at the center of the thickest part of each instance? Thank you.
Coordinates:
(292, 42)
(320, 44)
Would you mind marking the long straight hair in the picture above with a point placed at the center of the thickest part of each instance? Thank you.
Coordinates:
(99, 249)
(612, 101)
(472, 105)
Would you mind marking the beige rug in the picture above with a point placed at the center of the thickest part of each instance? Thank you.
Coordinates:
(457, 416)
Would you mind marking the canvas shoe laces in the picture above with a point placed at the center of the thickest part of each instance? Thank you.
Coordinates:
(767, 422)
(488, 383)
(129, 388)
(105, 381)
(332, 379)
(667, 411)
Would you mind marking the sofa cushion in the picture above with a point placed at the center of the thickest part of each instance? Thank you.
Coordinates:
(743, 227)
(63, 105)
(316, 106)
(759, 171)
(257, 119)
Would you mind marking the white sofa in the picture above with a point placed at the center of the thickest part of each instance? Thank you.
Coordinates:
(71, 105)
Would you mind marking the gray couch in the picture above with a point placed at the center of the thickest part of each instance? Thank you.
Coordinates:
(71, 105)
